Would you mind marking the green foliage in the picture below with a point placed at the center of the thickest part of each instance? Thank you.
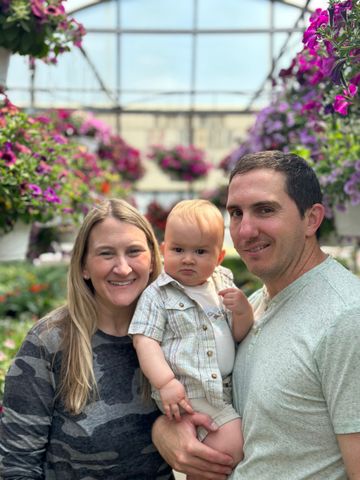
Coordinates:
(242, 277)
(11, 336)
(29, 292)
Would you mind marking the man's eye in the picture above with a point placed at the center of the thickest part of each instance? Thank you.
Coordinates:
(266, 210)
(235, 213)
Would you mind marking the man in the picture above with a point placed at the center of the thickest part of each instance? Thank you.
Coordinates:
(296, 376)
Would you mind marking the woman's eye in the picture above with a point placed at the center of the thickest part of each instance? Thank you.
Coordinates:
(135, 251)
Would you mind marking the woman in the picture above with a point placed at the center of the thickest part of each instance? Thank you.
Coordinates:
(72, 406)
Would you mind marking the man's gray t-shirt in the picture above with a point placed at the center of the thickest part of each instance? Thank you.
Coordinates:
(296, 378)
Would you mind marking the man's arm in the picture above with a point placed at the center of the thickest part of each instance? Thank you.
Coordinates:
(178, 445)
(350, 450)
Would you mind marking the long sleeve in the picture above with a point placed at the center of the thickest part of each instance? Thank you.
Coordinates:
(28, 407)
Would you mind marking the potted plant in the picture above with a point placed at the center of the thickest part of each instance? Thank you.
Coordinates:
(38, 28)
(124, 158)
(36, 172)
(184, 163)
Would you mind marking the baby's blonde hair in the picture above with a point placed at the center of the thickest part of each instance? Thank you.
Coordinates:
(207, 216)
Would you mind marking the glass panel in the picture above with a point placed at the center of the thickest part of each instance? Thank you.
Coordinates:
(18, 80)
(293, 46)
(230, 67)
(233, 13)
(285, 15)
(101, 15)
(155, 101)
(156, 62)
(74, 72)
(157, 14)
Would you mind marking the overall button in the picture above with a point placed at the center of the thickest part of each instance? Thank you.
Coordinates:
(213, 375)
(209, 353)
(204, 327)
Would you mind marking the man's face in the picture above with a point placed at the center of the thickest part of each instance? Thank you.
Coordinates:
(266, 227)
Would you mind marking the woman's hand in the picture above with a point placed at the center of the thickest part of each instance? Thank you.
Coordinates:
(178, 445)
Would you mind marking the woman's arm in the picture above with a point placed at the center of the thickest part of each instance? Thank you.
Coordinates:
(27, 414)
(178, 445)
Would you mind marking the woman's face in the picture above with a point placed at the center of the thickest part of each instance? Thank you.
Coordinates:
(118, 263)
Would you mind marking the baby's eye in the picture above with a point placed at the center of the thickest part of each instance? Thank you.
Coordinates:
(178, 249)
(200, 251)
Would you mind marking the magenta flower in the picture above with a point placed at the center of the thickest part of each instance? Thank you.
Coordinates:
(8, 157)
(341, 105)
(35, 189)
(50, 196)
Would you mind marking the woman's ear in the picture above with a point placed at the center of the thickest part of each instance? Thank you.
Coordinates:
(85, 274)
(314, 216)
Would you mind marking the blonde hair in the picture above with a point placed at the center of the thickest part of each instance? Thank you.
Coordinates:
(207, 216)
(77, 382)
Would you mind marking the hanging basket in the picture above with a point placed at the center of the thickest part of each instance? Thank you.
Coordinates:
(4, 65)
(14, 245)
(348, 222)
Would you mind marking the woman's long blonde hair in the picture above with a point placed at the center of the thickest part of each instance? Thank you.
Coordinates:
(77, 383)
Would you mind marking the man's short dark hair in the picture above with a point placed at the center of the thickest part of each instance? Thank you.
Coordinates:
(301, 182)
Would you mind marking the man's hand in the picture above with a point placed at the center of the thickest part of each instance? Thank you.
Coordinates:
(178, 445)
(173, 397)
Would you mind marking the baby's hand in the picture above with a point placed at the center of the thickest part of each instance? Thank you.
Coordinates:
(235, 300)
(173, 397)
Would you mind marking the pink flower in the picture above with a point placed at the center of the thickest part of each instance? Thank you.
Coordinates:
(341, 105)
(9, 343)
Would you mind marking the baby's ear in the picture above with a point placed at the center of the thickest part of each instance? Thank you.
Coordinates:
(221, 256)
(162, 247)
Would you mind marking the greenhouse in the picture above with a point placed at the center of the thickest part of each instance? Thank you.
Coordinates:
(151, 103)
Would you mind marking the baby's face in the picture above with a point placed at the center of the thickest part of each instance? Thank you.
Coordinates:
(190, 256)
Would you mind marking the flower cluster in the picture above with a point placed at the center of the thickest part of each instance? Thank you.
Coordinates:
(181, 162)
(33, 169)
(217, 196)
(157, 216)
(339, 170)
(75, 123)
(332, 55)
(39, 28)
(316, 110)
(124, 158)
(279, 126)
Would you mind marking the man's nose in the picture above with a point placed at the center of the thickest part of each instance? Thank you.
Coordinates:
(246, 228)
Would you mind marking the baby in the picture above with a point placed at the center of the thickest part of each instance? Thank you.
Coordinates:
(186, 322)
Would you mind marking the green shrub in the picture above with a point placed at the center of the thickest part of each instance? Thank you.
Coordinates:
(11, 336)
(28, 291)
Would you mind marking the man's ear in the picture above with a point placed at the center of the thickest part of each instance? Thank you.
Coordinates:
(314, 217)
(221, 256)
